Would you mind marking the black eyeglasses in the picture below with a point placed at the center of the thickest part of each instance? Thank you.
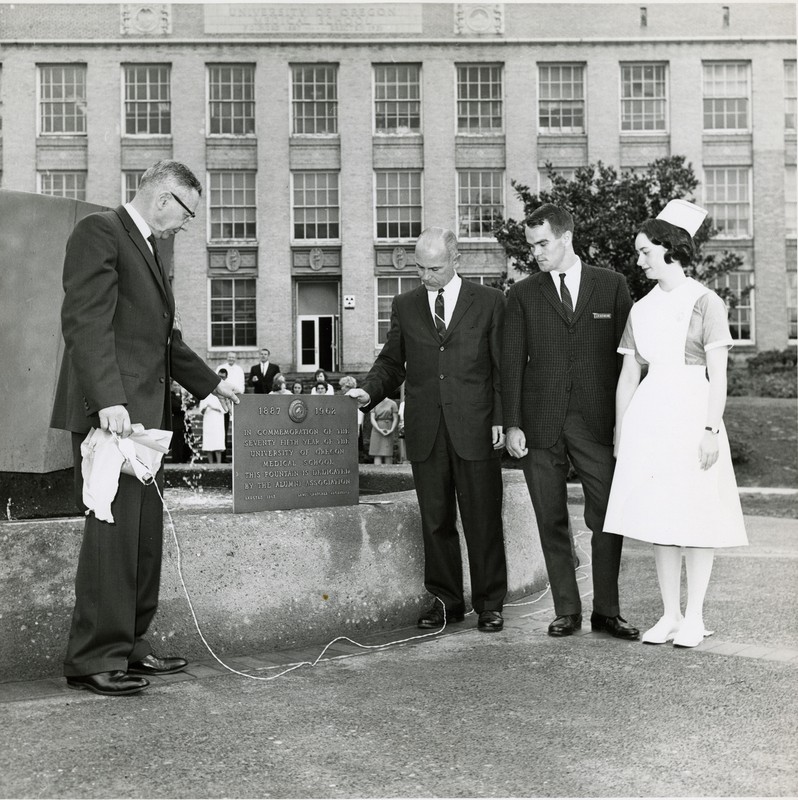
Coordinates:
(188, 211)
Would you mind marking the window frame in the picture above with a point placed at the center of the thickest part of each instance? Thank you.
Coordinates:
(215, 326)
(705, 98)
(81, 104)
(147, 102)
(294, 207)
(246, 119)
(419, 99)
(294, 102)
(63, 173)
(127, 173)
(561, 131)
(481, 131)
(790, 95)
(709, 204)
(376, 206)
(664, 99)
(211, 207)
(413, 282)
(747, 303)
(501, 205)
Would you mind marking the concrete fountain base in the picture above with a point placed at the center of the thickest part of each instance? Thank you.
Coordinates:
(258, 582)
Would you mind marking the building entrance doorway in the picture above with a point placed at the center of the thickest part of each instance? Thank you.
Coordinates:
(318, 321)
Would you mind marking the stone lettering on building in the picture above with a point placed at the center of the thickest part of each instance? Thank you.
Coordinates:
(315, 18)
(294, 451)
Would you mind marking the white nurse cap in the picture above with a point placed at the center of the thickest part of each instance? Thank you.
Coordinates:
(683, 214)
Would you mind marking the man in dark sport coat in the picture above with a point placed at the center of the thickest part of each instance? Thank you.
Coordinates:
(559, 372)
(121, 351)
(262, 374)
(453, 425)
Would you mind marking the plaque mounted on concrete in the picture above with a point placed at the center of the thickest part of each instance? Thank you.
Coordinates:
(294, 451)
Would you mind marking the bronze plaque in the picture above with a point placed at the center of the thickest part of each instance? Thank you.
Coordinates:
(294, 451)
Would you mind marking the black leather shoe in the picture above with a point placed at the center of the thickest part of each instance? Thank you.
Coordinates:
(490, 621)
(108, 683)
(614, 626)
(152, 665)
(565, 625)
(433, 618)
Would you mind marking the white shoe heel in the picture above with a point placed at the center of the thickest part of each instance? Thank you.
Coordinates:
(663, 631)
(691, 634)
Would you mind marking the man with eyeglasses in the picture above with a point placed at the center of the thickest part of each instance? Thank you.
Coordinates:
(121, 352)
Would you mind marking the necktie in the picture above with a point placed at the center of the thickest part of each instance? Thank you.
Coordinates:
(440, 315)
(151, 240)
(565, 296)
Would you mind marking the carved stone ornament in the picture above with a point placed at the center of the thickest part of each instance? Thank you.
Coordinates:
(399, 258)
(150, 19)
(316, 259)
(232, 260)
(297, 411)
(476, 18)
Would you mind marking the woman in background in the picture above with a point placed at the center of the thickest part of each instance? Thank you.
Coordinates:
(384, 419)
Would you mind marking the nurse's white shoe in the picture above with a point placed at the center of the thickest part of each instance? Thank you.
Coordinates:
(663, 631)
(691, 634)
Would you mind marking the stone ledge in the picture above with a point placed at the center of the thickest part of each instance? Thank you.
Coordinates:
(259, 582)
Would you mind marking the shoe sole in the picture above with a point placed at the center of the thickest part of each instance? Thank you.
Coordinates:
(599, 629)
(491, 628)
(83, 687)
(560, 634)
(425, 626)
(156, 673)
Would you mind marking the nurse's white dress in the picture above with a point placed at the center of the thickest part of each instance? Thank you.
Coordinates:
(659, 492)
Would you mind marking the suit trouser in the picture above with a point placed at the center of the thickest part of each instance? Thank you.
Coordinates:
(546, 472)
(476, 486)
(118, 577)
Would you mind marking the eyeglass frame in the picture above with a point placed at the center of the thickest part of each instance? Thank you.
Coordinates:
(191, 214)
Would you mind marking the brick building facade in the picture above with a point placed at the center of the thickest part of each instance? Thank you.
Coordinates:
(328, 135)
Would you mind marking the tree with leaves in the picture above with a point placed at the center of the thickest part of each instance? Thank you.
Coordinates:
(608, 208)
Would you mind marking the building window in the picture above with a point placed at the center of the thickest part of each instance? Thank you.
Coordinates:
(314, 98)
(63, 184)
(643, 99)
(398, 196)
(233, 207)
(397, 98)
(480, 203)
(231, 100)
(789, 95)
(387, 288)
(728, 192)
(316, 205)
(727, 91)
(790, 205)
(130, 185)
(741, 317)
(148, 101)
(544, 181)
(233, 312)
(62, 99)
(792, 304)
(479, 98)
(561, 93)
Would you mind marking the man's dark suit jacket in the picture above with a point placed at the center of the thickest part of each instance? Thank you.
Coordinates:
(458, 375)
(545, 357)
(117, 317)
(264, 383)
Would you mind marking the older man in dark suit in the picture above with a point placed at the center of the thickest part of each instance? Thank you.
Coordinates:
(559, 372)
(444, 342)
(121, 351)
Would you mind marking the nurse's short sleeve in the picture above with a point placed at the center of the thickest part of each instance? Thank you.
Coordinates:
(627, 344)
(715, 328)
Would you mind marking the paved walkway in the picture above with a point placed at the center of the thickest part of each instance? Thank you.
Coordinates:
(458, 714)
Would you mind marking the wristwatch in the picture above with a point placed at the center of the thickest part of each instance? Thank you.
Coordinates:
(716, 431)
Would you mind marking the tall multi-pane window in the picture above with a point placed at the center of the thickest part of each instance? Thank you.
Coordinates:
(398, 204)
(792, 304)
(790, 204)
(643, 97)
(314, 98)
(790, 93)
(386, 289)
(148, 99)
(480, 202)
(727, 191)
(231, 99)
(63, 184)
(741, 317)
(62, 99)
(479, 98)
(130, 185)
(397, 98)
(233, 206)
(233, 312)
(561, 98)
(727, 94)
(316, 205)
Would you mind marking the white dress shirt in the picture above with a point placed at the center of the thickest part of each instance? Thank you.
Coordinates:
(573, 277)
(143, 227)
(450, 294)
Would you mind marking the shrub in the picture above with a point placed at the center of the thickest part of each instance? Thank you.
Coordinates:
(770, 361)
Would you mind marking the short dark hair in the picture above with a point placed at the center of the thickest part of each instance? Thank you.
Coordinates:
(560, 219)
(678, 243)
(171, 172)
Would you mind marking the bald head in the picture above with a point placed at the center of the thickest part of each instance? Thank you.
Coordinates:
(437, 257)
